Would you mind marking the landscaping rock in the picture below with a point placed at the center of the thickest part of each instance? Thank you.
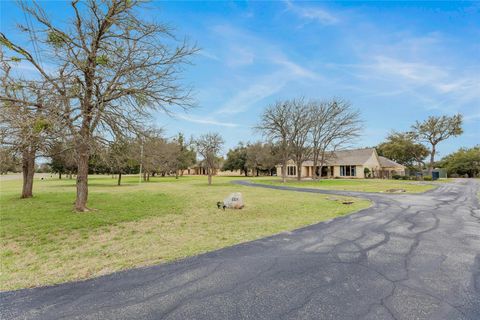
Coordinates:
(234, 201)
(395, 190)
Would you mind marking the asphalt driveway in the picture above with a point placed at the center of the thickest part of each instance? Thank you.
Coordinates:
(407, 257)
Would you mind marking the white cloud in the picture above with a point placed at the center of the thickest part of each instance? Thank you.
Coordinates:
(267, 85)
(295, 69)
(207, 121)
(240, 56)
(261, 88)
(273, 72)
(313, 13)
(436, 87)
(208, 54)
(416, 72)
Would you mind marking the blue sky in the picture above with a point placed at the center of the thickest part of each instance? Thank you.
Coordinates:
(395, 62)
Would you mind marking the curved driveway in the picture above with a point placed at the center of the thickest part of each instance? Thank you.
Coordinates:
(407, 257)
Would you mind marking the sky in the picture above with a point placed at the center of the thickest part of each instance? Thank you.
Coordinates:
(396, 62)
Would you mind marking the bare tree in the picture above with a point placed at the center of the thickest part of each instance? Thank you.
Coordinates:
(24, 120)
(112, 69)
(435, 130)
(62, 156)
(8, 160)
(120, 156)
(275, 126)
(209, 146)
(152, 143)
(186, 156)
(334, 125)
(300, 124)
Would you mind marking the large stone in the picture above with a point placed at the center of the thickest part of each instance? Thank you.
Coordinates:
(234, 201)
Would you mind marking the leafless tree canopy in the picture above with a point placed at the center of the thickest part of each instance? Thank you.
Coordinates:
(275, 126)
(335, 125)
(26, 122)
(209, 146)
(304, 129)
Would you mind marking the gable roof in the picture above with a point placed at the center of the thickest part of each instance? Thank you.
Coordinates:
(385, 162)
(346, 157)
(350, 157)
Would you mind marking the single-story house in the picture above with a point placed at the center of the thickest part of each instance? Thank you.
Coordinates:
(348, 164)
(199, 169)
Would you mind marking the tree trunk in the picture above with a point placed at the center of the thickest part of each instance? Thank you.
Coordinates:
(284, 170)
(28, 167)
(315, 162)
(432, 160)
(82, 178)
(144, 176)
(209, 171)
(148, 176)
(176, 174)
(59, 176)
(322, 162)
(119, 178)
(246, 172)
(299, 171)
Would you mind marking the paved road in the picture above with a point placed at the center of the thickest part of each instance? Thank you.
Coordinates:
(407, 257)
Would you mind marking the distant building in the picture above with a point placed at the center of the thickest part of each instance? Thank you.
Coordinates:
(199, 169)
(348, 164)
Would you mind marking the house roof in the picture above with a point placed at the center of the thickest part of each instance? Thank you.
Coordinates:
(385, 162)
(354, 157)
(346, 157)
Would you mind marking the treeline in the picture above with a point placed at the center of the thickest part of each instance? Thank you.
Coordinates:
(412, 148)
(253, 159)
(463, 163)
(152, 154)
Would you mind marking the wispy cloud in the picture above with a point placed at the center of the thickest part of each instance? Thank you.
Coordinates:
(261, 88)
(274, 69)
(208, 54)
(240, 56)
(206, 121)
(313, 13)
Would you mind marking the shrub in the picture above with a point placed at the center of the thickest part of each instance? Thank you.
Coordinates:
(366, 172)
(404, 177)
(427, 178)
(396, 176)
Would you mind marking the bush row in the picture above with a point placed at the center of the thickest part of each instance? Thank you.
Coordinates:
(399, 177)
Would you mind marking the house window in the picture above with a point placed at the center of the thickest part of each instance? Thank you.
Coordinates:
(348, 171)
(291, 170)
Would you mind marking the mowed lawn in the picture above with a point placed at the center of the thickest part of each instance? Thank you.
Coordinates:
(44, 242)
(362, 185)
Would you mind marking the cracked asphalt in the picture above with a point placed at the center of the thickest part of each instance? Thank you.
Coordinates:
(407, 257)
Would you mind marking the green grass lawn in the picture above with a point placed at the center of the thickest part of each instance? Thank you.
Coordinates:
(43, 241)
(362, 185)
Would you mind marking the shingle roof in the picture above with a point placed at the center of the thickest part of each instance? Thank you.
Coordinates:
(385, 162)
(346, 157)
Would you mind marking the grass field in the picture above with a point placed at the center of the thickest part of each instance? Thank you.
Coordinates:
(44, 242)
(362, 185)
